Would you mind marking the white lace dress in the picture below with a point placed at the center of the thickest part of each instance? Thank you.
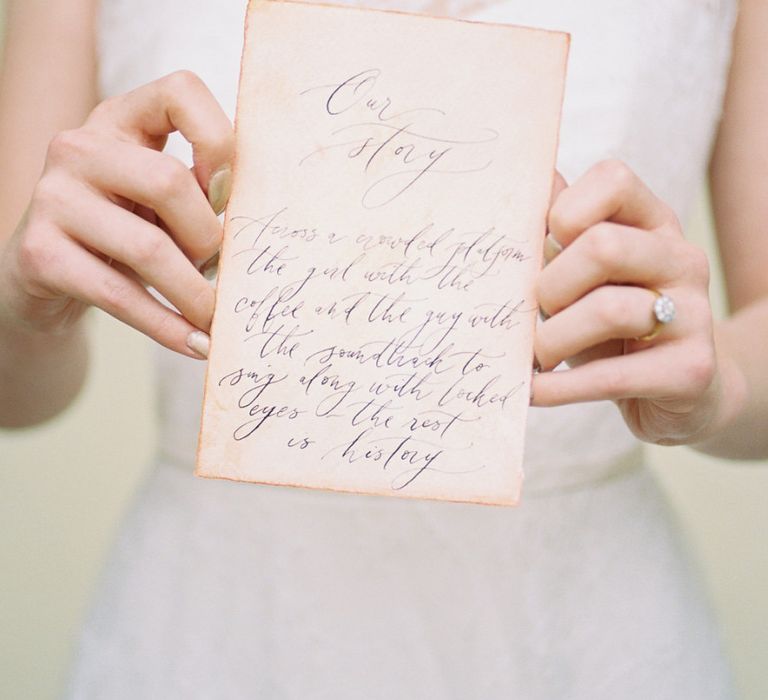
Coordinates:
(226, 590)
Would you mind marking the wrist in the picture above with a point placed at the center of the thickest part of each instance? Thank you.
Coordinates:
(722, 437)
(41, 371)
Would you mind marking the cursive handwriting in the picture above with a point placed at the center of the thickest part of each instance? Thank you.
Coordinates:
(394, 148)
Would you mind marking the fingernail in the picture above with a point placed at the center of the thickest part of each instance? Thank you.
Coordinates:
(552, 247)
(199, 342)
(210, 268)
(219, 188)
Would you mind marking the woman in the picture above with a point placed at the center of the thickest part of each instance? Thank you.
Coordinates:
(225, 590)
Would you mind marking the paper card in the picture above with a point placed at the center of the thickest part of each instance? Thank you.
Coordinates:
(375, 310)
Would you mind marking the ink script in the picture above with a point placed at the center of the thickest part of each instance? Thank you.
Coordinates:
(375, 309)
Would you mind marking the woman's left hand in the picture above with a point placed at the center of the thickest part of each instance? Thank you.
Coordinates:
(617, 244)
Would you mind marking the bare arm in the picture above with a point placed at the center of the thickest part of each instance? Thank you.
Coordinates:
(613, 245)
(47, 84)
(108, 213)
(739, 184)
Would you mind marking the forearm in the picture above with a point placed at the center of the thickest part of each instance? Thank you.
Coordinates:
(40, 372)
(738, 173)
(740, 430)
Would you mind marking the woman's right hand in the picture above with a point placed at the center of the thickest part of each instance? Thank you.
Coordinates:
(111, 213)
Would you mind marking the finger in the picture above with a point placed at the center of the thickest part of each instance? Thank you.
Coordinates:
(679, 371)
(609, 348)
(153, 180)
(551, 246)
(609, 191)
(606, 313)
(178, 102)
(90, 280)
(144, 248)
(614, 254)
(558, 185)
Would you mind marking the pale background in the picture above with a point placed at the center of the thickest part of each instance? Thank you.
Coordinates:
(64, 486)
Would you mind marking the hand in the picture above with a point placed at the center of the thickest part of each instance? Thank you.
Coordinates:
(111, 213)
(619, 242)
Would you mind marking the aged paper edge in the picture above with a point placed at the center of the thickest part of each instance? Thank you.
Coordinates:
(513, 499)
(394, 11)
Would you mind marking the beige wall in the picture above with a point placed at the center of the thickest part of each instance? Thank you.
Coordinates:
(63, 488)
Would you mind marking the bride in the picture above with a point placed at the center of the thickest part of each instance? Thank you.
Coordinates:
(219, 590)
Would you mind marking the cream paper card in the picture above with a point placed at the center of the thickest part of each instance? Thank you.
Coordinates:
(375, 307)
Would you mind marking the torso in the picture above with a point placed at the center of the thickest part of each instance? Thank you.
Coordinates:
(234, 590)
(645, 83)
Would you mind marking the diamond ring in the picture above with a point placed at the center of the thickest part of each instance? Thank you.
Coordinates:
(663, 312)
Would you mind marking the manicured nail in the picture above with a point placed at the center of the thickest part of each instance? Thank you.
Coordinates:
(552, 248)
(199, 342)
(219, 188)
(210, 268)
